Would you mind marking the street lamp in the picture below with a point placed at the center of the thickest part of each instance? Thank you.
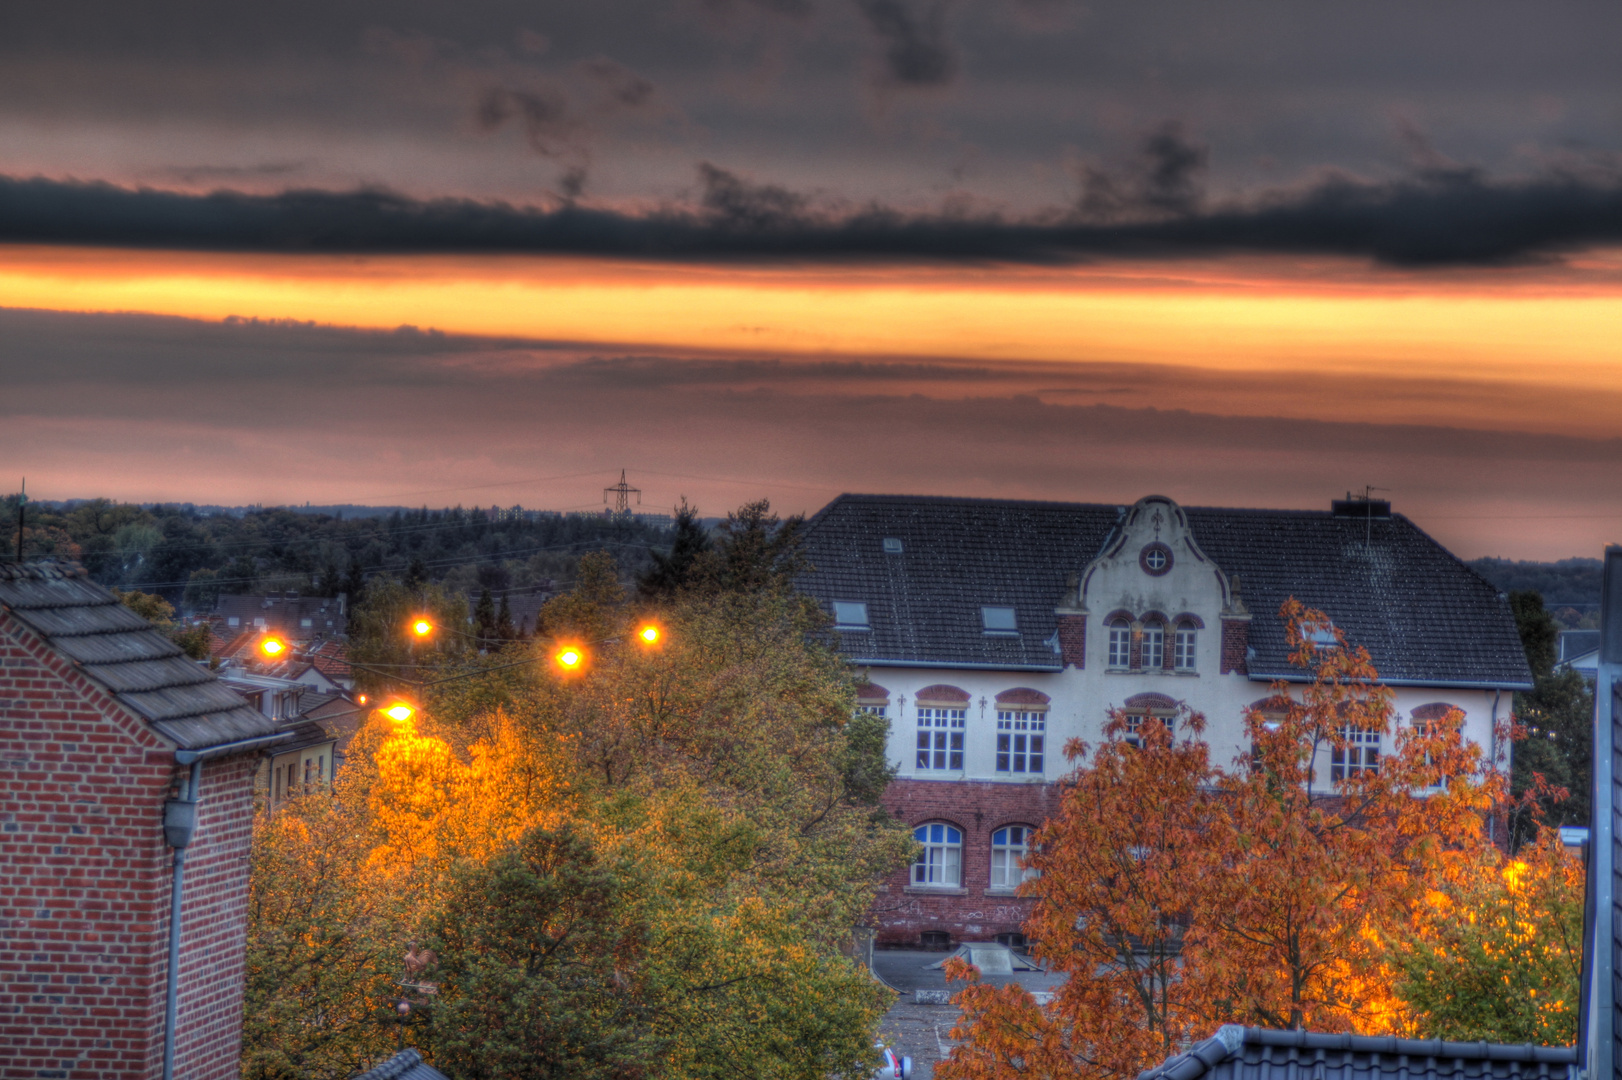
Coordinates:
(272, 647)
(649, 634)
(570, 657)
(422, 627)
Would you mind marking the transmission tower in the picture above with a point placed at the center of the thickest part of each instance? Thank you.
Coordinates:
(622, 493)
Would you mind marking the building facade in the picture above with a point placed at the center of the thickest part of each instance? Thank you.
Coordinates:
(993, 632)
(126, 775)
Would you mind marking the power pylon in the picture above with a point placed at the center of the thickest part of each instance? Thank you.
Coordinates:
(622, 493)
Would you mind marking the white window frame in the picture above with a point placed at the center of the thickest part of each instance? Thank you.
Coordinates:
(1152, 654)
(845, 612)
(1134, 721)
(999, 619)
(1359, 755)
(1186, 637)
(940, 738)
(1021, 742)
(1006, 856)
(940, 864)
(873, 710)
(1120, 645)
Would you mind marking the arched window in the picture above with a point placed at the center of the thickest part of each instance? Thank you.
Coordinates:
(941, 861)
(1154, 646)
(1356, 752)
(942, 714)
(1022, 720)
(872, 698)
(1120, 643)
(1183, 646)
(1141, 708)
(1010, 846)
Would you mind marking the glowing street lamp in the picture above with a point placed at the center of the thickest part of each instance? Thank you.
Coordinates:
(272, 647)
(570, 657)
(422, 627)
(648, 635)
(400, 712)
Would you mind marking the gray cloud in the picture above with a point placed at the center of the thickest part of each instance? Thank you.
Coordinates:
(1456, 219)
(1167, 178)
(913, 33)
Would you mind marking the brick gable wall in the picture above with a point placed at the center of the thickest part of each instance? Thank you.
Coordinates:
(85, 883)
(978, 808)
(1235, 646)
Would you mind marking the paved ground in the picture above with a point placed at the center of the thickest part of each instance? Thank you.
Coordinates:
(923, 1029)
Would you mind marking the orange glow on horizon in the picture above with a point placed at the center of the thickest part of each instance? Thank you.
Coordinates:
(1251, 316)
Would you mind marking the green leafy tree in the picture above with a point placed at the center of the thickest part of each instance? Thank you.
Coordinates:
(194, 640)
(326, 933)
(1496, 953)
(386, 655)
(1555, 720)
(541, 956)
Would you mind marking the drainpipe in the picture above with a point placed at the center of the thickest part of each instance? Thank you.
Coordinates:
(179, 823)
(1492, 816)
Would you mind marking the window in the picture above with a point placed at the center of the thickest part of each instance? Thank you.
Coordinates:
(309, 767)
(998, 620)
(1183, 647)
(1020, 736)
(233, 621)
(321, 767)
(1134, 726)
(892, 546)
(306, 622)
(873, 710)
(1360, 753)
(1010, 847)
(850, 615)
(1120, 643)
(872, 699)
(941, 861)
(940, 738)
(1154, 646)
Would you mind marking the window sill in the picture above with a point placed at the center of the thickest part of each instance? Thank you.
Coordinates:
(936, 890)
(1003, 892)
(1020, 778)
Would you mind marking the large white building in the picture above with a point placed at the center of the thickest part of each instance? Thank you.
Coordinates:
(995, 631)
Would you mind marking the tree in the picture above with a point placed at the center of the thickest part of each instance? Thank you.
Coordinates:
(325, 932)
(1496, 953)
(387, 657)
(541, 958)
(1555, 720)
(1276, 887)
(671, 573)
(193, 640)
(754, 552)
(1122, 864)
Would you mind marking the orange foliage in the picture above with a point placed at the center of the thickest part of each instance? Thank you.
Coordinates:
(1178, 896)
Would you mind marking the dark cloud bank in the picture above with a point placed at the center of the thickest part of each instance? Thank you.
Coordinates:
(1439, 218)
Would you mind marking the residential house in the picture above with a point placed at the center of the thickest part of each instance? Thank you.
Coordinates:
(288, 616)
(127, 799)
(991, 632)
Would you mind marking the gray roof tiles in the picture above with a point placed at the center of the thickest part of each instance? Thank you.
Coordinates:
(127, 656)
(406, 1065)
(1424, 616)
(1237, 1053)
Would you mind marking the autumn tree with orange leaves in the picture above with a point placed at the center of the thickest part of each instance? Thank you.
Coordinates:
(1177, 895)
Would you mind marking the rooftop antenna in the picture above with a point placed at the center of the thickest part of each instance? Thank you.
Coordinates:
(22, 500)
(1367, 499)
(622, 496)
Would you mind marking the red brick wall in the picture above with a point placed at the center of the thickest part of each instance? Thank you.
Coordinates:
(85, 878)
(1073, 640)
(978, 808)
(1235, 644)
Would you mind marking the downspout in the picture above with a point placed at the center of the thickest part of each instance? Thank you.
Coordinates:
(1492, 817)
(179, 823)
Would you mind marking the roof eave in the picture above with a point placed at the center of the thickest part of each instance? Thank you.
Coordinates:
(1440, 684)
(972, 665)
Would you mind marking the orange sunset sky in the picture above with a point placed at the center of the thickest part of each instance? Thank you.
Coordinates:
(433, 257)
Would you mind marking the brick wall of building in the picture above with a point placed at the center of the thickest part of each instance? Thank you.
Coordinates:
(973, 912)
(1073, 640)
(1235, 645)
(85, 881)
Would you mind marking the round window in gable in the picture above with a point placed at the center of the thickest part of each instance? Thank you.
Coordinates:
(1155, 559)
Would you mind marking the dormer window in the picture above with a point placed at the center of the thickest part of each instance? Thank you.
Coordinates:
(892, 545)
(998, 620)
(1319, 636)
(850, 615)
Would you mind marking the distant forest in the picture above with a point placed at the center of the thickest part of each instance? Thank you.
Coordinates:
(1570, 587)
(190, 555)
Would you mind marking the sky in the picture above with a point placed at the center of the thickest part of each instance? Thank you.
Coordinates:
(1250, 254)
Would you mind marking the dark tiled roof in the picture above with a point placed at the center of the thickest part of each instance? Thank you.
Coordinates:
(923, 604)
(406, 1065)
(1424, 616)
(124, 654)
(1239, 1053)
